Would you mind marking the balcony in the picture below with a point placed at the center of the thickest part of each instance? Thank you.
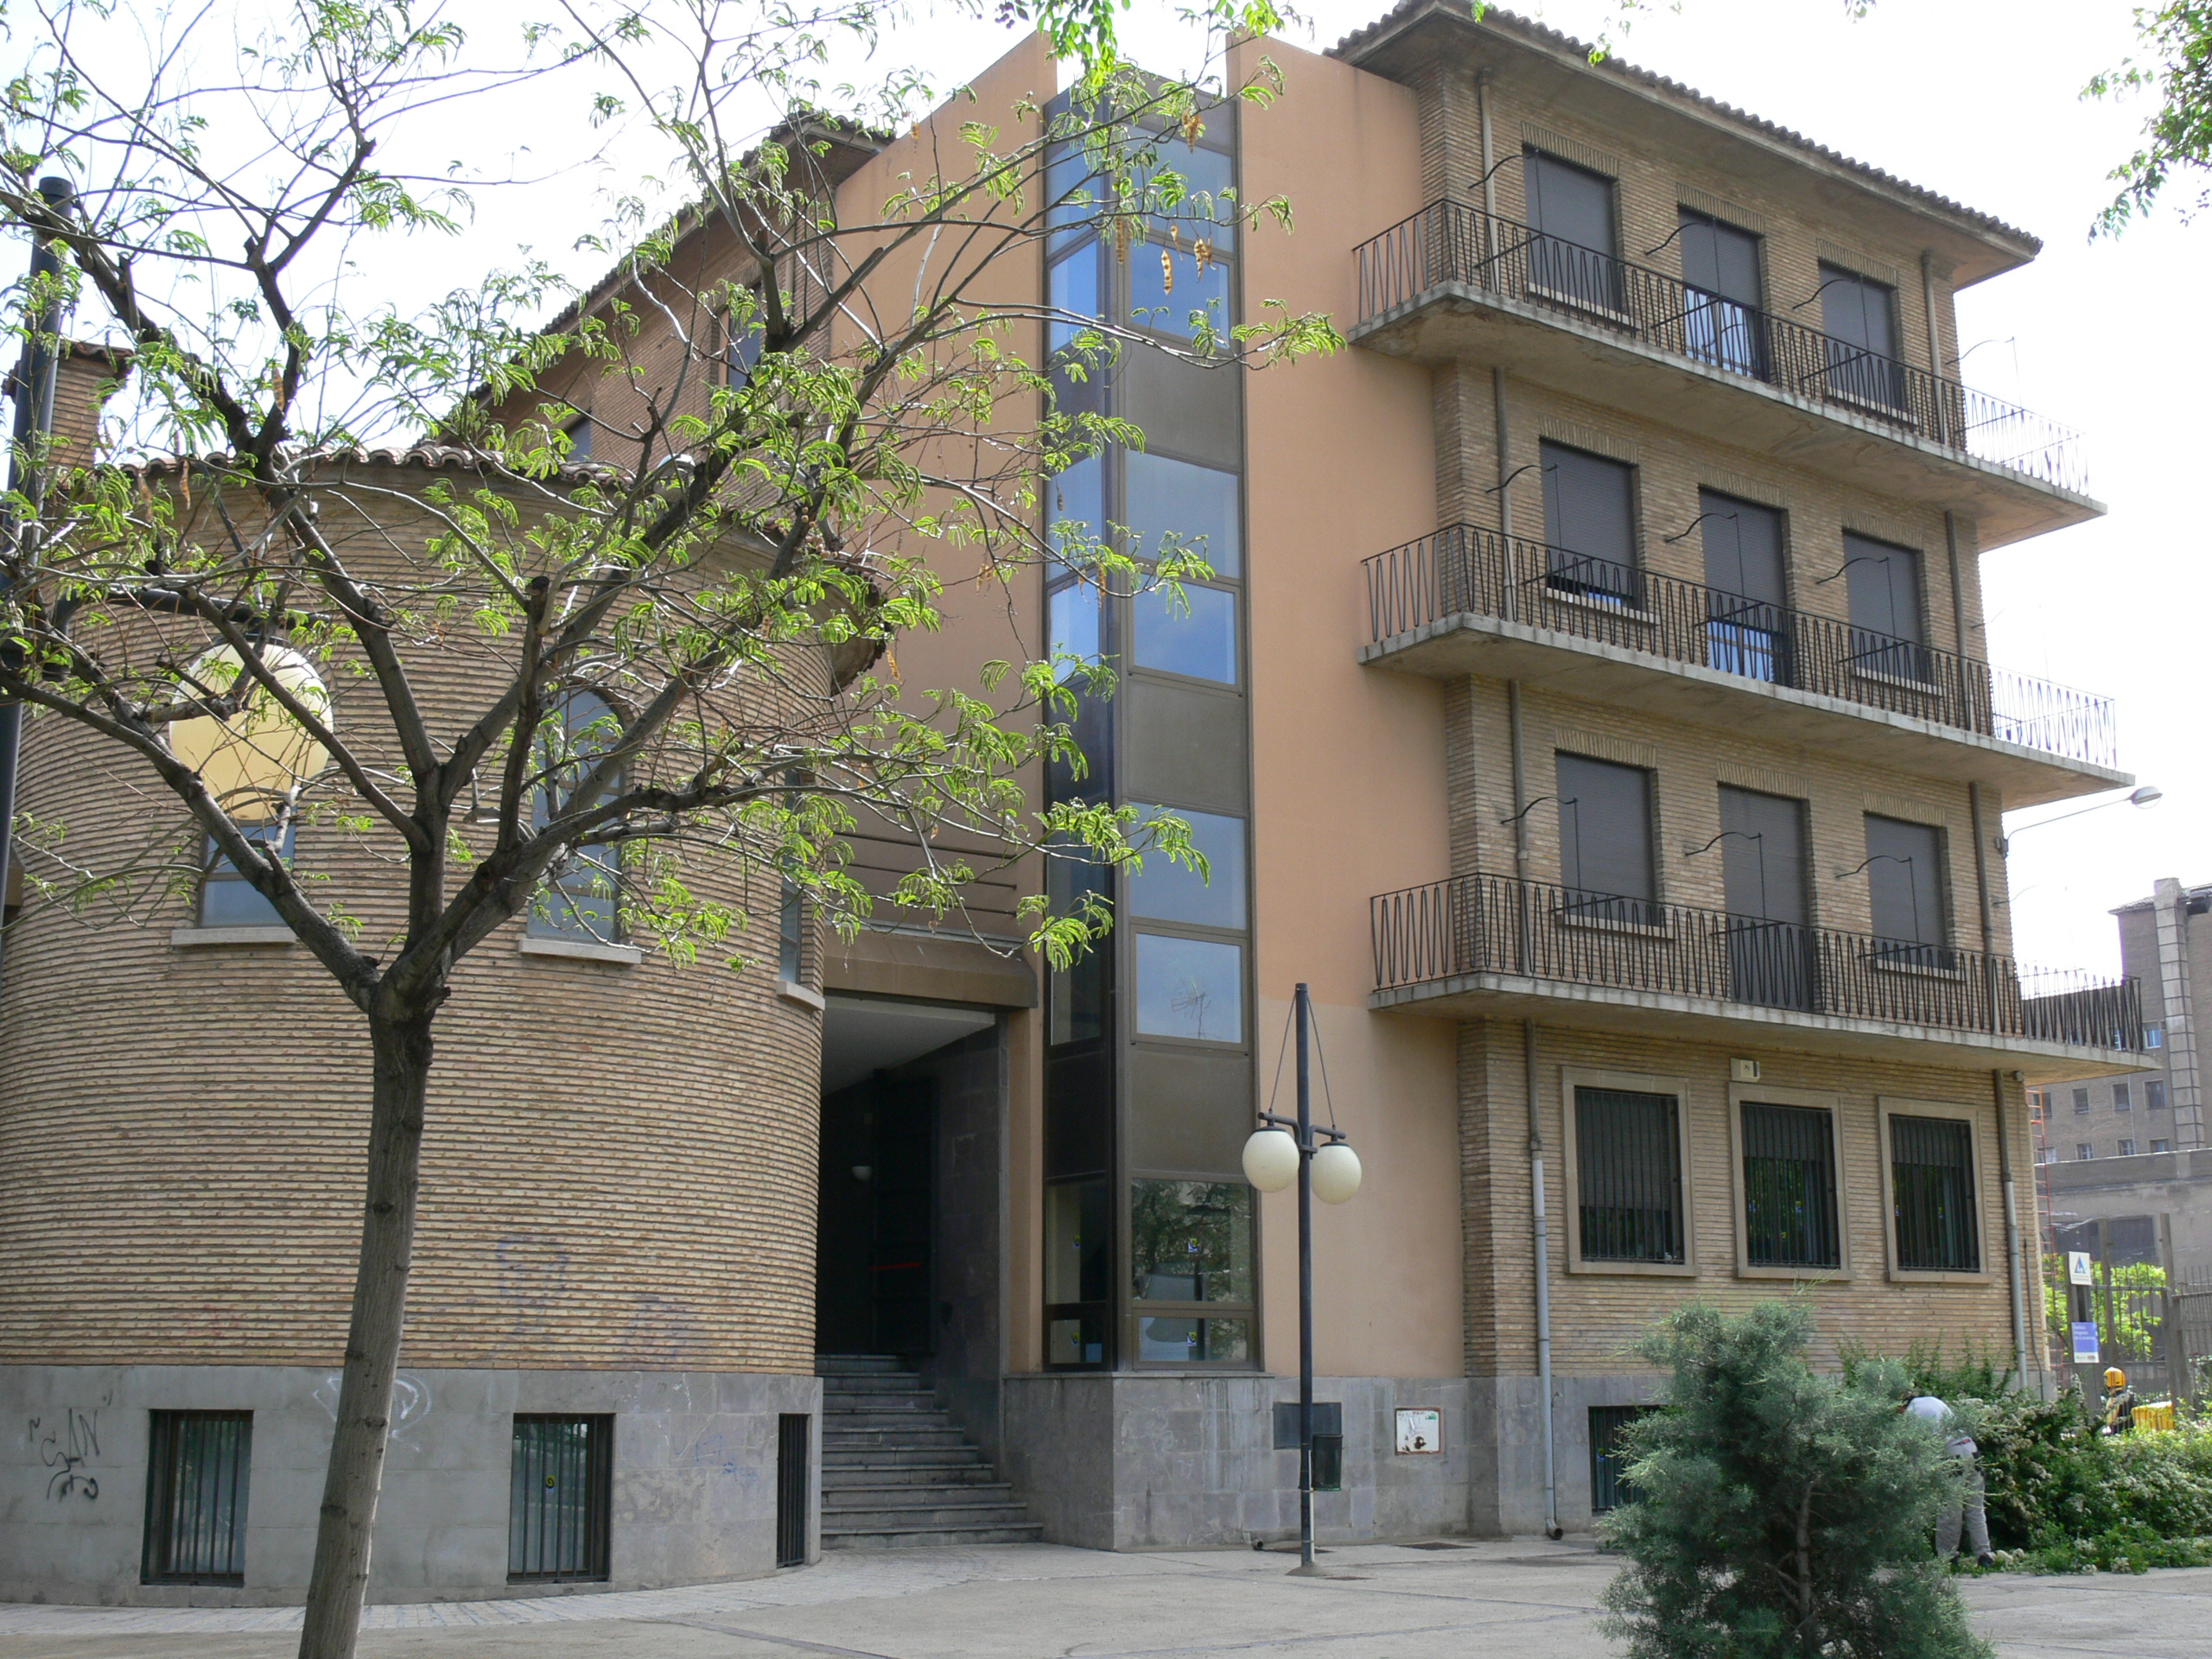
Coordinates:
(1453, 282)
(1495, 947)
(1469, 600)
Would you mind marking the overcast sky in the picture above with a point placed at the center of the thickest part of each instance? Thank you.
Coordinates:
(1976, 98)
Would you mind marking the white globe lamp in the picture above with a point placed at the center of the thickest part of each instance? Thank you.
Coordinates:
(1270, 1160)
(252, 762)
(1336, 1173)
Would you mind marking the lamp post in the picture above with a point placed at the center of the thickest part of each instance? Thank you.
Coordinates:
(2145, 796)
(1285, 1151)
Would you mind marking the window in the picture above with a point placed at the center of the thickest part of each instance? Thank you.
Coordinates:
(579, 901)
(1771, 960)
(794, 1436)
(1628, 1176)
(227, 897)
(1190, 630)
(1079, 1271)
(1720, 266)
(2154, 1094)
(790, 932)
(1589, 524)
(1191, 1241)
(2083, 1152)
(2162, 1146)
(561, 1481)
(2081, 1100)
(1605, 842)
(1904, 888)
(1574, 255)
(1789, 1192)
(2046, 1154)
(1166, 891)
(198, 1466)
(2034, 1105)
(1746, 604)
(1858, 315)
(1190, 987)
(2122, 1098)
(1883, 583)
(1078, 991)
(744, 338)
(1196, 505)
(578, 433)
(1609, 1487)
(2126, 1146)
(1931, 1179)
(1174, 305)
(2154, 1037)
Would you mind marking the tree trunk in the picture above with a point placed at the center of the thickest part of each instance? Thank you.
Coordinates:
(340, 1580)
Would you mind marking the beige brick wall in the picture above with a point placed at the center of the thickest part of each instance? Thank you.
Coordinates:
(619, 1167)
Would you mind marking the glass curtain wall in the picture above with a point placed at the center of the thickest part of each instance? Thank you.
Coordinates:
(1148, 1223)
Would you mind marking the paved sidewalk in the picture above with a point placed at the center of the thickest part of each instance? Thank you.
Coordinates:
(1528, 1598)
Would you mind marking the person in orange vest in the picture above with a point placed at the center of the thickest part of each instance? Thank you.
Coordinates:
(2120, 1402)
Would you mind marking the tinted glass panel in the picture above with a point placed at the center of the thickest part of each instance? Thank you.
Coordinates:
(1200, 172)
(1074, 610)
(1166, 286)
(1073, 196)
(1590, 521)
(1191, 632)
(1079, 1243)
(1076, 1341)
(1165, 1340)
(1191, 1241)
(1075, 287)
(1605, 835)
(1628, 1165)
(1904, 883)
(1077, 991)
(1196, 504)
(1169, 892)
(1190, 987)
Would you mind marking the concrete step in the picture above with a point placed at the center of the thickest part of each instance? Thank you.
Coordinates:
(846, 1364)
(927, 1537)
(885, 1458)
(973, 1472)
(922, 1517)
(904, 1439)
(896, 1497)
(835, 1401)
(888, 1383)
(852, 1417)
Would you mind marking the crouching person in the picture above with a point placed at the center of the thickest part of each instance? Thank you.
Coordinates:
(1969, 1505)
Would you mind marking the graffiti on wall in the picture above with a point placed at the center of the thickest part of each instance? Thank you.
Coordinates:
(411, 1404)
(65, 1447)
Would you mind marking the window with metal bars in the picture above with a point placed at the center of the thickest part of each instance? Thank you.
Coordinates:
(1931, 1178)
(196, 1475)
(1609, 1486)
(1629, 1175)
(794, 1433)
(559, 1499)
(1789, 1203)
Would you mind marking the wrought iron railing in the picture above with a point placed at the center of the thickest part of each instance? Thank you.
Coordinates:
(1448, 242)
(1466, 569)
(1499, 924)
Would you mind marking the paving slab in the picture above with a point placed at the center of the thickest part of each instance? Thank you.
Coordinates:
(1427, 1600)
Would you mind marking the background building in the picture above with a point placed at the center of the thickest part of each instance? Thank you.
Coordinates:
(1590, 705)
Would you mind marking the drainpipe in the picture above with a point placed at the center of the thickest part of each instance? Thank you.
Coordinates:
(1539, 1221)
(34, 426)
(1490, 183)
(1936, 353)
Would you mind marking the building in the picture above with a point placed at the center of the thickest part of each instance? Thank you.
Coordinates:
(2117, 1148)
(1639, 527)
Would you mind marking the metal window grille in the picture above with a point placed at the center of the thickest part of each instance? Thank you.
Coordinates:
(1609, 1486)
(196, 1478)
(794, 1433)
(561, 1480)
(1931, 1174)
(1629, 1167)
(1790, 1208)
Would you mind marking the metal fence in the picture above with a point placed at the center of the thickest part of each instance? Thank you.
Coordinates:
(196, 1475)
(1499, 924)
(1466, 569)
(1449, 242)
(560, 1499)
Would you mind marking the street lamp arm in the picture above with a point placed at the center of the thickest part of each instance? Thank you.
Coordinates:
(2148, 795)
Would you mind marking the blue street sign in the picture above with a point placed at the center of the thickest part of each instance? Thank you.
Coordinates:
(2085, 1342)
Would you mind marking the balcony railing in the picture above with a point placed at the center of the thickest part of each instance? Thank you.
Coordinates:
(1448, 242)
(1498, 924)
(1466, 569)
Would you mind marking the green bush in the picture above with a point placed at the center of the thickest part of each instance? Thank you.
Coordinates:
(1779, 1515)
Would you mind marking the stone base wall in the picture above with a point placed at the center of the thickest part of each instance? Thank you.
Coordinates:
(693, 1479)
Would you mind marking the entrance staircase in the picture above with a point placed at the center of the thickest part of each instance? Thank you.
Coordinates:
(897, 1472)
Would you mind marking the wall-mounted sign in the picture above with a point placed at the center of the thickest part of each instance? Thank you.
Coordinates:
(2078, 1268)
(1421, 1432)
(2085, 1342)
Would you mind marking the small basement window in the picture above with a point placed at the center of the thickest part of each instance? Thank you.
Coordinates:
(197, 1469)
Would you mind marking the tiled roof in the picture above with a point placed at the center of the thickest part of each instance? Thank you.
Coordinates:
(1354, 44)
(429, 457)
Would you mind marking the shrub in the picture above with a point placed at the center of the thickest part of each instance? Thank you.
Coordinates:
(1779, 1515)
(2063, 1497)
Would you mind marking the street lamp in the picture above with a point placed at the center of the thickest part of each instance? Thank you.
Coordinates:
(253, 762)
(2143, 797)
(1274, 1156)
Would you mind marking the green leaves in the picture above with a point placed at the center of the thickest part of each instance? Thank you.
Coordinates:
(2173, 65)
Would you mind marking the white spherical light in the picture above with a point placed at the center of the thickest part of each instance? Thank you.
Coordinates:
(254, 759)
(1336, 1173)
(1270, 1160)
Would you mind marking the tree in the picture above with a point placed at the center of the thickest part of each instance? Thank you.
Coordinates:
(593, 684)
(1777, 1512)
(2175, 64)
